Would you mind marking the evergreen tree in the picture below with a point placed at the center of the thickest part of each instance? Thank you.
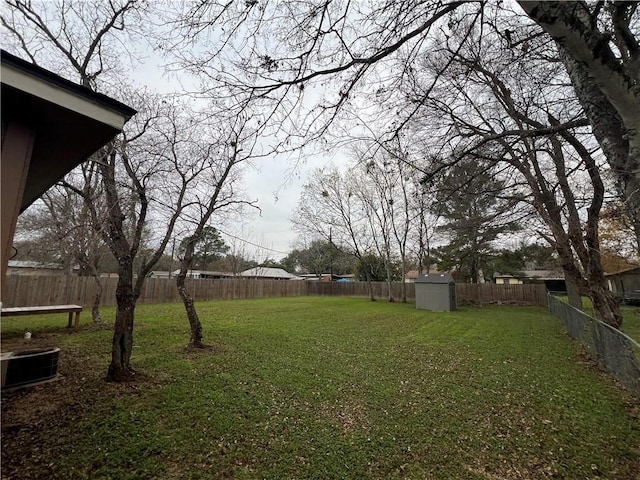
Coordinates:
(472, 202)
(209, 248)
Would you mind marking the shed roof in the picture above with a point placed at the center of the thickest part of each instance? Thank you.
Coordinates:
(440, 278)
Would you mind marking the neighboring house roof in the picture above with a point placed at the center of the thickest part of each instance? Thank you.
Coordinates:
(204, 273)
(543, 274)
(32, 264)
(266, 272)
(325, 276)
(625, 271)
(412, 274)
(415, 273)
(159, 273)
(537, 274)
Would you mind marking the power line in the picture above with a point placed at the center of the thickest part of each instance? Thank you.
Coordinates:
(252, 243)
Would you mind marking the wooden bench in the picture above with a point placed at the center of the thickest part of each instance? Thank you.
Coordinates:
(40, 310)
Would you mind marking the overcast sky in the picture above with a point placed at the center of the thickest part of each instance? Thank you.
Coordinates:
(272, 183)
(277, 191)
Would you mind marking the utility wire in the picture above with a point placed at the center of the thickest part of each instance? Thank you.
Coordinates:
(251, 243)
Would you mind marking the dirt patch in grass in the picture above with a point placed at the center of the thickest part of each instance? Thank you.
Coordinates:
(210, 349)
(350, 417)
(29, 413)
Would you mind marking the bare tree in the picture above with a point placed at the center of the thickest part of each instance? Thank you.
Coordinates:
(373, 189)
(56, 230)
(85, 34)
(217, 163)
(329, 209)
(135, 171)
(282, 51)
(501, 112)
(78, 39)
(600, 47)
(377, 53)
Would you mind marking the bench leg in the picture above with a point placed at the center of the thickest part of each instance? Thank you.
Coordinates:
(70, 318)
(77, 320)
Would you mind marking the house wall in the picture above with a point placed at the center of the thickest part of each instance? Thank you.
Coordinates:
(17, 146)
(625, 282)
(508, 281)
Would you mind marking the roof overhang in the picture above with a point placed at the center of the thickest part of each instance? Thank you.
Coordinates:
(69, 122)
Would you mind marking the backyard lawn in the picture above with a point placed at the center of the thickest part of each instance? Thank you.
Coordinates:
(326, 388)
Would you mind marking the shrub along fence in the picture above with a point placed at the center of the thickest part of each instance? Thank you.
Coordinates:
(25, 290)
(611, 348)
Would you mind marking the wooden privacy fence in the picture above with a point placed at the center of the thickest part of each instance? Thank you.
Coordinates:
(50, 290)
(528, 294)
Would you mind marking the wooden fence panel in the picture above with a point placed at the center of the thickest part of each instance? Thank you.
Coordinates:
(52, 290)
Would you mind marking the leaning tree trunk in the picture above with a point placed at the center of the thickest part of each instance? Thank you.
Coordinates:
(195, 340)
(120, 367)
(605, 306)
(606, 88)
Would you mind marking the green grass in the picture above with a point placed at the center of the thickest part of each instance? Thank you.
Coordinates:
(631, 322)
(630, 314)
(317, 387)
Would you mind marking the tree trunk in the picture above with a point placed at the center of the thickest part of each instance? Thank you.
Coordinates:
(619, 142)
(606, 306)
(370, 287)
(67, 282)
(404, 282)
(369, 284)
(195, 340)
(122, 346)
(573, 290)
(97, 299)
(389, 279)
(120, 367)
(606, 88)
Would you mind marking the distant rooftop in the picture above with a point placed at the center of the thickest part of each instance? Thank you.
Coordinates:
(32, 264)
(267, 272)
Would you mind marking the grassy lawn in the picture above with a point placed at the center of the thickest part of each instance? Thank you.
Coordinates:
(318, 387)
(631, 317)
(631, 323)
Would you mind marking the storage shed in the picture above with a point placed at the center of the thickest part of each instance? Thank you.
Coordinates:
(436, 292)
